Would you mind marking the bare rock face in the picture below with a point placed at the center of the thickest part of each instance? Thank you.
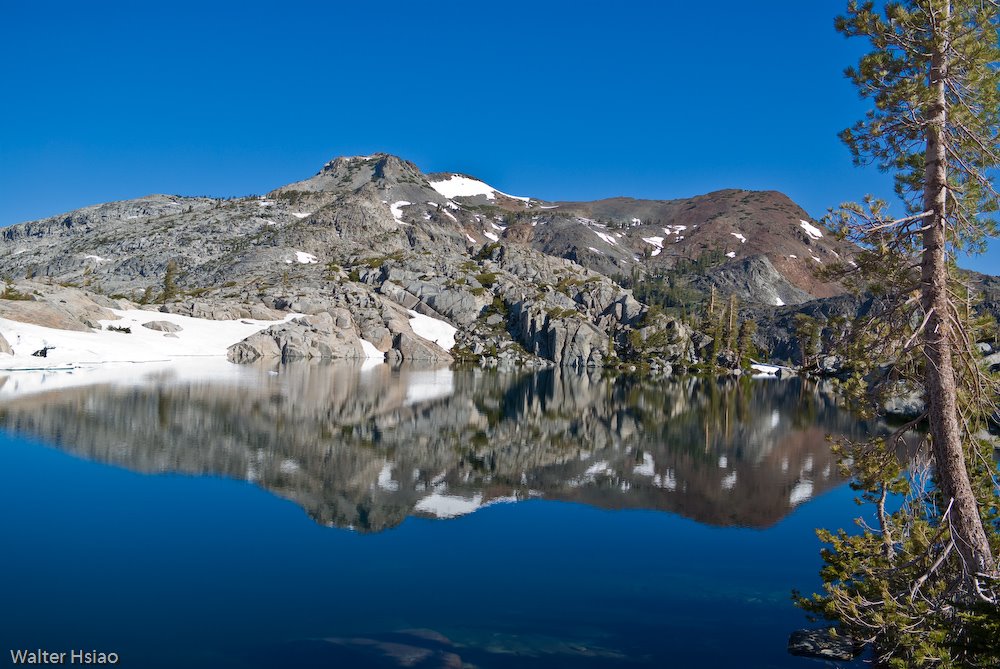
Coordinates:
(162, 326)
(58, 307)
(5, 346)
(415, 349)
(323, 336)
(222, 310)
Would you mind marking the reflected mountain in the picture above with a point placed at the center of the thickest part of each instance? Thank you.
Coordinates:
(365, 448)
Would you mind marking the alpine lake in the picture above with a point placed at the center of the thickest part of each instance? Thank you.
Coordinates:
(305, 515)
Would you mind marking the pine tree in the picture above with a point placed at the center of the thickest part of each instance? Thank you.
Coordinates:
(169, 282)
(933, 80)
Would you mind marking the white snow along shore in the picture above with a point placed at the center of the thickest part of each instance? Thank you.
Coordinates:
(197, 337)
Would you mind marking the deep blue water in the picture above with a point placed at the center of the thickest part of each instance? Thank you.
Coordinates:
(174, 570)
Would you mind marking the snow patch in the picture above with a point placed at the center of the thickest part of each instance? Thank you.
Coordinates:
(304, 258)
(371, 353)
(459, 186)
(778, 302)
(299, 214)
(433, 329)
(810, 229)
(765, 370)
(397, 210)
(731, 254)
(97, 259)
(606, 237)
(491, 235)
(743, 240)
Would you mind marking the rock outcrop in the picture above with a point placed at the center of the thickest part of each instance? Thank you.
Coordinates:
(322, 336)
(162, 326)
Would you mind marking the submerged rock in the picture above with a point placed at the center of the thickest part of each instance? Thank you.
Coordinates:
(824, 644)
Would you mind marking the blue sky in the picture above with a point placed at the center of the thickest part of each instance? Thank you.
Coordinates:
(555, 100)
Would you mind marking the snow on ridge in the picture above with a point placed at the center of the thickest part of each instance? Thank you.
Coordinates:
(433, 329)
(459, 186)
(810, 229)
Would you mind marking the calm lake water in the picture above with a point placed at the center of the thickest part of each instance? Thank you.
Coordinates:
(325, 516)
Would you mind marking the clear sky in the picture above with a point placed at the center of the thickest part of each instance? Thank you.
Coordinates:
(557, 100)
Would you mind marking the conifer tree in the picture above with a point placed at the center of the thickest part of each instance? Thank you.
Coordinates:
(928, 596)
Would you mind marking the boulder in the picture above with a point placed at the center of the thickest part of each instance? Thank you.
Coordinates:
(992, 362)
(162, 326)
(830, 365)
(904, 401)
(984, 347)
(221, 310)
(327, 336)
(416, 349)
(823, 644)
(5, 346)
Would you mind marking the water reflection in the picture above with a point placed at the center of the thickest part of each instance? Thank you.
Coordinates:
(365, 448)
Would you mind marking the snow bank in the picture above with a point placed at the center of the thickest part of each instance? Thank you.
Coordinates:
(433, 329)
(371, 353)
(197, 337)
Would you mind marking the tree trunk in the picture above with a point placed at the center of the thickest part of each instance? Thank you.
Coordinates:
(940, 384)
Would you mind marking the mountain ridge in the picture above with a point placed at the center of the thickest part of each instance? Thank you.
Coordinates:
(375, 236)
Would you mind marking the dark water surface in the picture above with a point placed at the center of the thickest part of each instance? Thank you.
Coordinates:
(332, 517)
